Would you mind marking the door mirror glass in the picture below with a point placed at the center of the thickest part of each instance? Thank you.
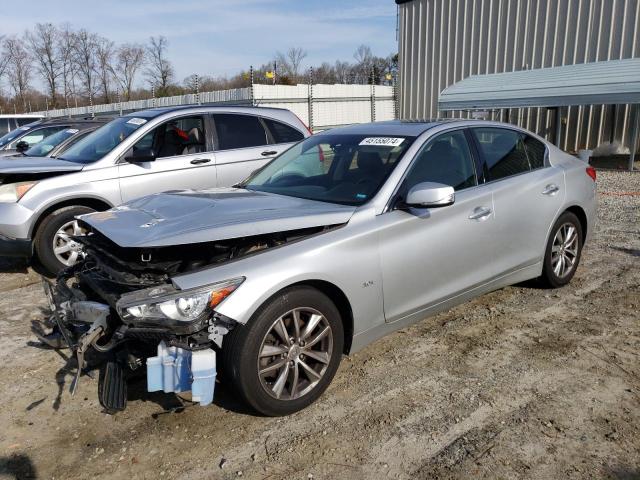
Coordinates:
(138, 155)
(430, 195)
(22, 146)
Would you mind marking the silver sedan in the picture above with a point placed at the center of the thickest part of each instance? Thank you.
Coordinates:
(345, 237)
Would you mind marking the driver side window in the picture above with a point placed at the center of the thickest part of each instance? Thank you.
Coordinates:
(445, 159)
(180, 136)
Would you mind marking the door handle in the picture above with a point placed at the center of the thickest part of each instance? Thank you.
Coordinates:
(199, 161)
(268, 153)
(480, 213)
(551, 189)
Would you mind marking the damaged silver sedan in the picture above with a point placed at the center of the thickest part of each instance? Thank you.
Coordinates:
(347, 236)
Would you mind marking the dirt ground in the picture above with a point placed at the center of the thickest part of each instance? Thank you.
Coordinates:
(520, 383)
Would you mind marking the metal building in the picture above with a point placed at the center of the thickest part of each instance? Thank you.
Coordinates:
(444, 41)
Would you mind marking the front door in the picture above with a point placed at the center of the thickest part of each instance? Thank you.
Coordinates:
(183, 160)
(430, 255)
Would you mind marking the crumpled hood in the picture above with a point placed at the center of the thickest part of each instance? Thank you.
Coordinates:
(13, 165)
(184, 217)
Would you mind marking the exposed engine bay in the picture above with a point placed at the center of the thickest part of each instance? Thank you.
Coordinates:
(120, 306)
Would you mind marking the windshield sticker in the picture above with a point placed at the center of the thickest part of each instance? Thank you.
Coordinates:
(72, 130)
(382, 141)
(361, 196)
(137, 121)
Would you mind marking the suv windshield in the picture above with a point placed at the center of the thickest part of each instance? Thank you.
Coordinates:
(97, 144)
(43, 147)
(345, 169)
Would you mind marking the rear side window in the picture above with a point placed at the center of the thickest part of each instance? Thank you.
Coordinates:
(535, 151)
(282, 133)
(239, 131)
(503, 152)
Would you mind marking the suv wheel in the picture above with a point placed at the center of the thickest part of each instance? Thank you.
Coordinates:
(284, 358)
(54, 246)
(563, 251)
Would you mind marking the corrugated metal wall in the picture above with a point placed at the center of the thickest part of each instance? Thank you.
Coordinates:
(444, 41)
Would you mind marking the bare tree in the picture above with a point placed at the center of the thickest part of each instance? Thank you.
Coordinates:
(18, 68)
(4, 59)
(105, 51)
(295, 56)
(85, 46)
(42, 42)
(66, 50)
(160, 71)
(129, 59)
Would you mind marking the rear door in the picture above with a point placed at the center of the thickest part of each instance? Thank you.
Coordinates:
(527, 194)
(184, 159)
(244, 143)
(430, 255)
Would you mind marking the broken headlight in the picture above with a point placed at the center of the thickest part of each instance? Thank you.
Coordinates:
(165, 303)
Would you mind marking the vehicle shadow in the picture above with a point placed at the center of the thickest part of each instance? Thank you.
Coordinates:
(14, 265)
(172, 403)
(18, 466)
(634, 252)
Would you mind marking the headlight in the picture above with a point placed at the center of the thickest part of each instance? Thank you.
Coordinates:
(162, 304)
(13, 192)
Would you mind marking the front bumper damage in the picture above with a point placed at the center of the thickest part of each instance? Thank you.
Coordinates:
(176, 359)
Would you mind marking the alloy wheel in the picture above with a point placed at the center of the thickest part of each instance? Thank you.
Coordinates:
(65, 248)
(564, 251)
(295, 353)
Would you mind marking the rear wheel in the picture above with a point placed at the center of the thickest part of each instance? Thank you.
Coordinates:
(54, 245)
(563, 251)
(284, 358)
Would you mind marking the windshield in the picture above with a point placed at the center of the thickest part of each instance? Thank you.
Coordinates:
(345, 169)
(97, 144)
(12, 135)
(43, 147)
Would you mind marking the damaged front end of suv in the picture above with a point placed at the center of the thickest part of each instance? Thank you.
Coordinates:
(121, 305)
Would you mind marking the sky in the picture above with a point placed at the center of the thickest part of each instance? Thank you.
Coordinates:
(220, 38)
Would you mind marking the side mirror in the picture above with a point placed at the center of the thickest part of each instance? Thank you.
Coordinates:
(22, 146)
(140, 155)
(430, 195)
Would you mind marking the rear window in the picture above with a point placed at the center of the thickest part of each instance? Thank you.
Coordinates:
(503, 152)
(282, 133)
(239, 131)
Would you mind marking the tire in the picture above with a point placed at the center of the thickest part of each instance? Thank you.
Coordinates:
(555, 271)
(242, 346)
(46, 233)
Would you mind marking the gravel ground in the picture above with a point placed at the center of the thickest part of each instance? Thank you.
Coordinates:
(520, 383)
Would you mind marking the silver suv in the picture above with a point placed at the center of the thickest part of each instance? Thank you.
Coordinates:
(138, 154)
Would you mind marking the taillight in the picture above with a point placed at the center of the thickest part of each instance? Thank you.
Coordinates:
(592, 173)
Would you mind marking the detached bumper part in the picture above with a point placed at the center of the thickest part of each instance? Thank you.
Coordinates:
(175, 369)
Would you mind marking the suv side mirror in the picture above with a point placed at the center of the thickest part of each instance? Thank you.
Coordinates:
(140, 155)
(22, 146)
(430, 195)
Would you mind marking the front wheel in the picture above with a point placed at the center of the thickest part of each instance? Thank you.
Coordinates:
(563, 251)
(54, 244)
(284, 358)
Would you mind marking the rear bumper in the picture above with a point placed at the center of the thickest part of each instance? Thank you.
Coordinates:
(15, 247)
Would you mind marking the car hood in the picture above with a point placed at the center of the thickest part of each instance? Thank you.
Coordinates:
(185, 217)
(13, 165)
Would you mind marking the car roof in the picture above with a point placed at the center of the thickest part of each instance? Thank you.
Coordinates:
(156, 112)
(411, 128)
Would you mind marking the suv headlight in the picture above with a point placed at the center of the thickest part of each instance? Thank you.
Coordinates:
(13, 192)
(167, 305)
